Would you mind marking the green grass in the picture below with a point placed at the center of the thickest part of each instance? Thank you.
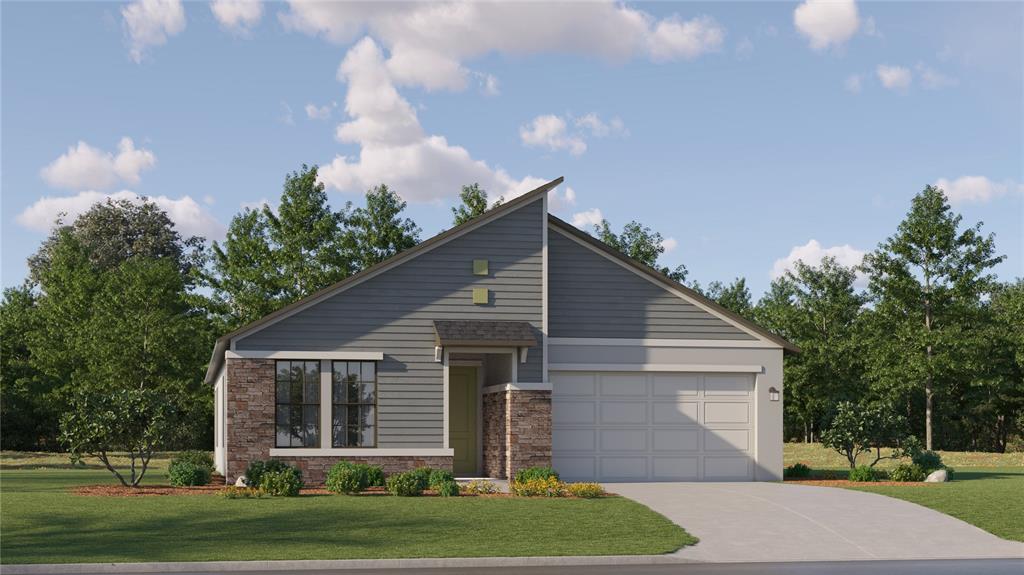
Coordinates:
(987, 490)
(42, 522)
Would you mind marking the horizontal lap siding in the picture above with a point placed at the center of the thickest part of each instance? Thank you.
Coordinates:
(591, 296)
(394, 312)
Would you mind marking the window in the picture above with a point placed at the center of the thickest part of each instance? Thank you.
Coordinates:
(298, 404)
(354, 391)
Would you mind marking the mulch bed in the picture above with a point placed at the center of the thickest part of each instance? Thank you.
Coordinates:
(848, 483)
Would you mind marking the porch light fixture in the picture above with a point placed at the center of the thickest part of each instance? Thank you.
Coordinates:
(438, 353)
(773, 394)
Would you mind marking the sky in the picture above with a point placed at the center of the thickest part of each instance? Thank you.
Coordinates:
(749, 134)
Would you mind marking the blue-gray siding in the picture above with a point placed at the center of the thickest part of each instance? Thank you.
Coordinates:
(393, 313)
(592, 296)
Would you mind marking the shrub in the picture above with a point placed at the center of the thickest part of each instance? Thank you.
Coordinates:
(863, 473)
(255, 470)
(185, 473)
(200, 458)
(422, 476)
(549, 487)
(347, 477)
(907, 472)
(439, 476)
(928, 461)
(447, 488)
(481, 487)
(405, 484)
(233, 492)
(528, 473)
(584, 490)
(286, 482)
(796, 471)
(857, 429)
(374, 476)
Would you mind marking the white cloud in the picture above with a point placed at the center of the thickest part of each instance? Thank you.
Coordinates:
(669, 244)
(84, 166)
(287, 117)
(488, 84)
(977, 189)
(744, 49)
(549, 131)
(394, 148)
(150, 23)
(870, 28)
(587, 219)
(827, 23)
(189, 218)
(932, 79)
(853, 83)
(599, 128)
(894, 77)
(238, 16)
(428, 43)
(812, 253)
(314, 112)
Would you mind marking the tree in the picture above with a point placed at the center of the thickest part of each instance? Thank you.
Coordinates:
(27, 416)
(131, 420)
(474, 203)
(857, 429)
(245, 281)
(818, 309)
(925, 284)
(378, 231)
(640, 243)
(734, 297)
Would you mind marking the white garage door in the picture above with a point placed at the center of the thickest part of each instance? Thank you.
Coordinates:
(653, 426)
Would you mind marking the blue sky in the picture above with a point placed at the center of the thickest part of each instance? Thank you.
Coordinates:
(749, 134)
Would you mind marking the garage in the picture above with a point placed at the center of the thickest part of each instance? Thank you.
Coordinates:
(653, 426)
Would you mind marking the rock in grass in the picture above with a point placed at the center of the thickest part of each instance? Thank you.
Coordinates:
(938, 476)
(240, 482)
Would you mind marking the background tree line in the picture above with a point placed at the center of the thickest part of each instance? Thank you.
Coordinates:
(119, 301)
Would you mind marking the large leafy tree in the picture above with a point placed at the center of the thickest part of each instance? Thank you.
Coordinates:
(640, 243)
(27, 411)
(474, 203)
(377, 230)
(733, 297)
(817, 308)
(926, 283)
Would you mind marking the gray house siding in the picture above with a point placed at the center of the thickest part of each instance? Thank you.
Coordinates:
(591, 296)
(393, 313)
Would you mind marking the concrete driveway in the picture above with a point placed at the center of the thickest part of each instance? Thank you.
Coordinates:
(741, 522)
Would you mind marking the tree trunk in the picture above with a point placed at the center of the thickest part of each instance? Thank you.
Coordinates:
(928, 393)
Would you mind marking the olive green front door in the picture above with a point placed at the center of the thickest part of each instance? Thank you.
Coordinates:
(462, 396)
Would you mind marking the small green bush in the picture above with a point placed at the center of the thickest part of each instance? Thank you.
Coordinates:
(286, 482)
(347, 477)
(200, 458)
(255, 470)
(185, 474)
(928, 461)
(907, 472)
(481, 487)
(422, 476)
(374, 476)
(529, 473)
(863, 473)
(584, 490)
(796, 471)
(439, 476)
(447, 488)
(546, 487)
(406, 484)
(233, 492)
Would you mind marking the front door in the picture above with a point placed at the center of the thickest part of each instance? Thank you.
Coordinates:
(462, 395)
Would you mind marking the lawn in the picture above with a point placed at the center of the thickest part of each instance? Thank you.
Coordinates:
(42, 522)
(986, 490)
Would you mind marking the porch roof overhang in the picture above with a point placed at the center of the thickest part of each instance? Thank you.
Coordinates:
(483, 333)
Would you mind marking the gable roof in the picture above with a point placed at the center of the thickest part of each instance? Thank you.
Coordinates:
(222, 342)
(669, 284)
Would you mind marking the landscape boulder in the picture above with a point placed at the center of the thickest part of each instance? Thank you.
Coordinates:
(240, 482)
(937, 476)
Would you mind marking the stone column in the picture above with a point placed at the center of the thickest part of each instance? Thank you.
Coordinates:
(528, 430)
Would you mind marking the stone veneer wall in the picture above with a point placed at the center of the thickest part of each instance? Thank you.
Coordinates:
(250, 428)
(494, 435)
(528, 430)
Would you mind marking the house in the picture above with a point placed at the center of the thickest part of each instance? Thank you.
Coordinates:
(512, 340)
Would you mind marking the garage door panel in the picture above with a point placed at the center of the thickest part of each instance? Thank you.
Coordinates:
(726, 412)
(676, 439)
(623, 412)
(726, 440)
(676, 413)
(574, 440)
(623, 439)
(676, 468)
(661, 426)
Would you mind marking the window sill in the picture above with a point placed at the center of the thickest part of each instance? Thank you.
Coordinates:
(361, 452)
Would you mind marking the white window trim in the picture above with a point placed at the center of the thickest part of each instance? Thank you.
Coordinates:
(307, 355)
(681, 367)
(722, 343)
(360, 451)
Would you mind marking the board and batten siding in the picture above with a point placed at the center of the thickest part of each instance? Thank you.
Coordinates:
(394, 312)
(592, 296)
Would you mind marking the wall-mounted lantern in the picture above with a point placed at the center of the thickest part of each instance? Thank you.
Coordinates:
(773, 394)
(438, 353)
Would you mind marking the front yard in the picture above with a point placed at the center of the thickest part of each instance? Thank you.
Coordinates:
(986, 490)
(42, 522)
